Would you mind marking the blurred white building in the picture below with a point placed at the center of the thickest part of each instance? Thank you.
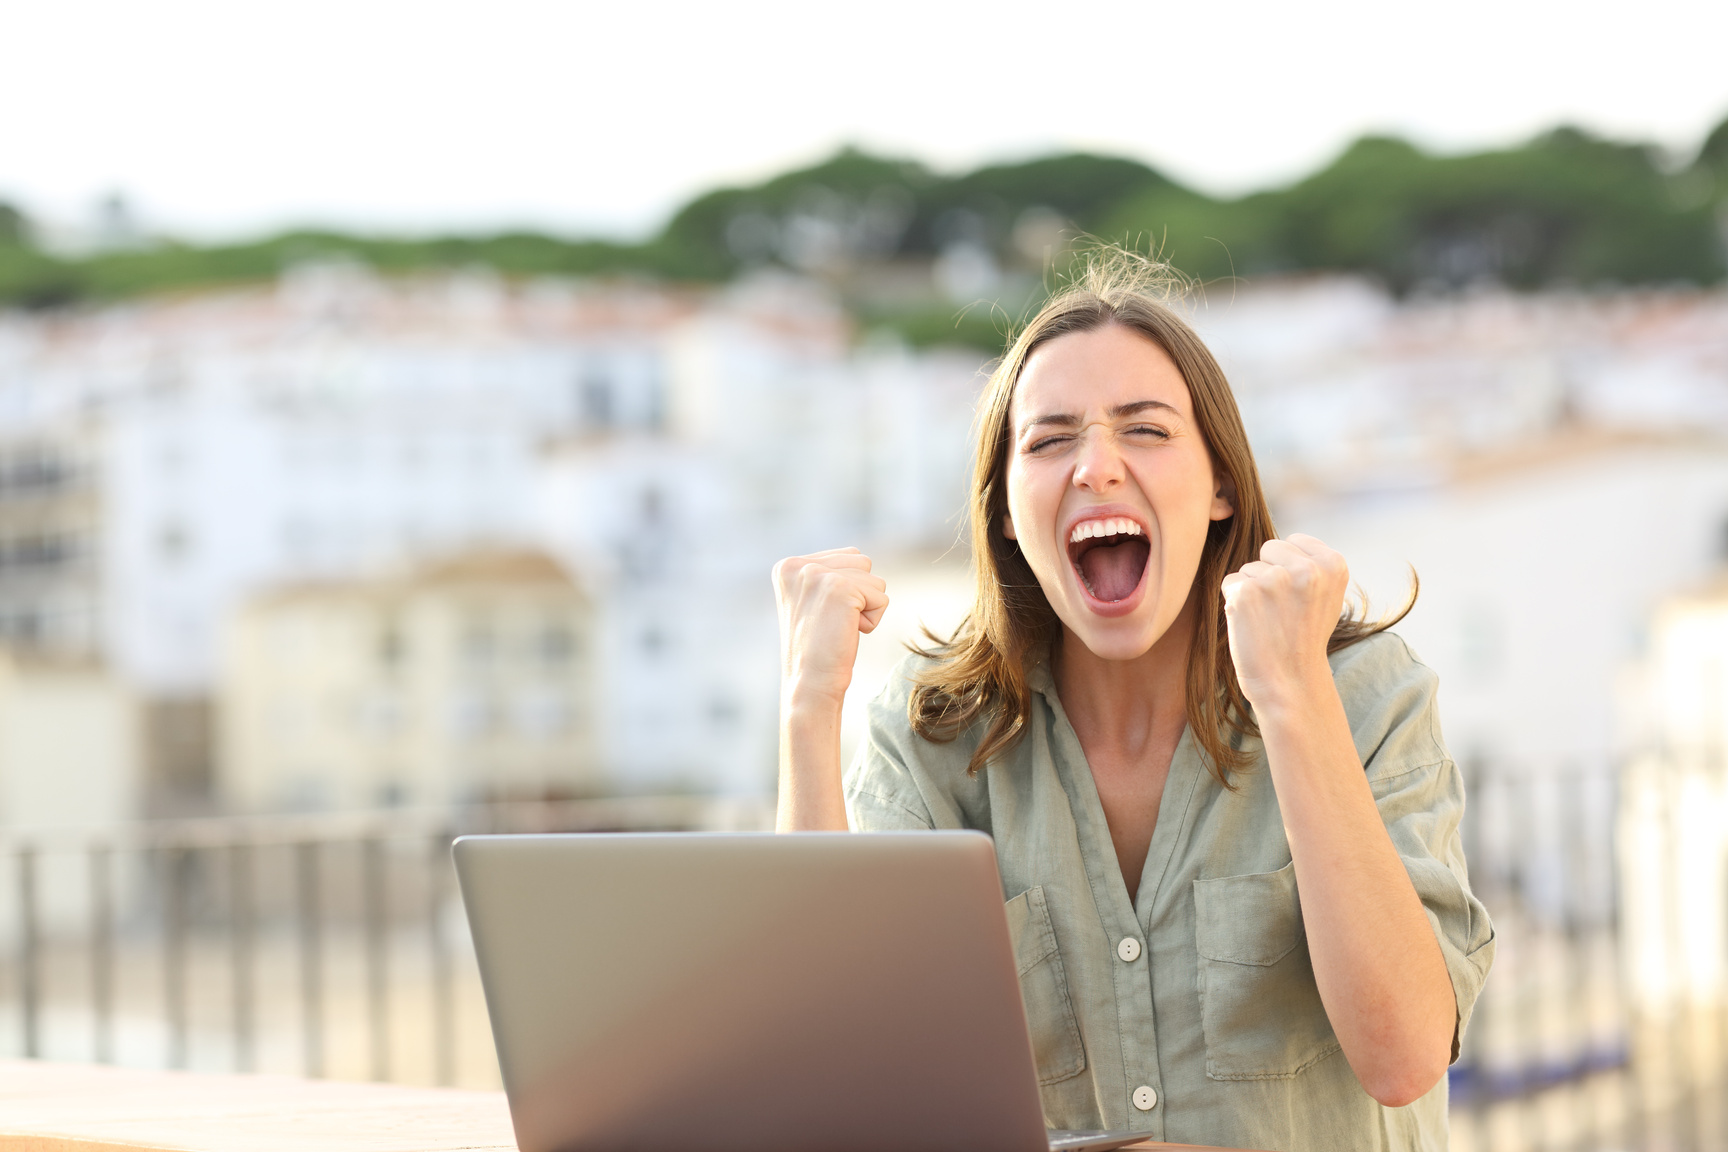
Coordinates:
(1540, 567)
(779, 440)
(163, 461)
(326, 425)
(1342, 387)
(469, 679)
(160, 461)
(69, 745)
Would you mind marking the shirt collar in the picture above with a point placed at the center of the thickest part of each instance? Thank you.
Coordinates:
(1039, 678)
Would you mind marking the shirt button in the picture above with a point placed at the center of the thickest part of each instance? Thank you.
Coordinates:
(1129, 949)
(1145, 1098)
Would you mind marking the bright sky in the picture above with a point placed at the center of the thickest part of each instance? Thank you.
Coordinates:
(223, 118)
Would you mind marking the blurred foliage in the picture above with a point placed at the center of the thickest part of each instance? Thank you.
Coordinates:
(1714, 152)
(978, 326)
(33, 278)
(856, 206)
(14, 229)
(1568, 208)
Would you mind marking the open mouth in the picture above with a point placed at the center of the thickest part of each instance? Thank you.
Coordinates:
(1110, 556)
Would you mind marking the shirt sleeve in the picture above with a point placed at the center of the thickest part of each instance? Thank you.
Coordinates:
(881, 792)
(1420, 794)
(1421, 809)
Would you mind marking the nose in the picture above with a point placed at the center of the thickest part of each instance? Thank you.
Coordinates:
(1098, 468)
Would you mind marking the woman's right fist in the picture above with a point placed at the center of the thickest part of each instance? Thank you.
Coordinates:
(826, 600)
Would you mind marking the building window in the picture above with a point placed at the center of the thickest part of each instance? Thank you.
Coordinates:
(557, 645)
(38, 550)
(32, 470)
(392, 646)
(657, 401)
(173, 543)
(25, 625)
(723, 712)
(597, 406)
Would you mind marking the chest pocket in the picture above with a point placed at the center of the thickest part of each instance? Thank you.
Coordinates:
(1044, 987)
(1259, 1007)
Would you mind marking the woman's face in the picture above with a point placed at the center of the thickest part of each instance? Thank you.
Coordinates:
(1111, 488)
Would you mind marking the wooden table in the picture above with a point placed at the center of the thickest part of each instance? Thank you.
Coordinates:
(90, 1108)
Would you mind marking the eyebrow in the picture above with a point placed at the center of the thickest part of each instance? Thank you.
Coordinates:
(1070, 420)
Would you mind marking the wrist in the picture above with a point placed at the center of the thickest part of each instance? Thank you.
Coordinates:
(807, 702)
(1296, 693)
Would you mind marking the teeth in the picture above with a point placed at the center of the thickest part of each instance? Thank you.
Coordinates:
(1114, 526)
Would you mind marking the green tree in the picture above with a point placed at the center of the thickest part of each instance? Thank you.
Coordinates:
(14, 228)
(1565, 208)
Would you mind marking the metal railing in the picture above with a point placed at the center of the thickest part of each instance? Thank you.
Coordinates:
(335, 946)
(1585, 1037)
(328, 946)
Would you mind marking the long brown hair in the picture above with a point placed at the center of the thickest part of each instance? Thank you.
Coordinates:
(980, 673)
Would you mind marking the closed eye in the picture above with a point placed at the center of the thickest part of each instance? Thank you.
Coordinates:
(1143, 431)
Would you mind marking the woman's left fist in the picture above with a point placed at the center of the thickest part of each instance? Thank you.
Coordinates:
(1281, 610)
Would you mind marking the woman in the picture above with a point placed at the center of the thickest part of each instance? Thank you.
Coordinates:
(1225, 821)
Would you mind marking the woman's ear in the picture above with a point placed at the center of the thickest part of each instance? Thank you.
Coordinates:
(1223, 495)
(1008, 526)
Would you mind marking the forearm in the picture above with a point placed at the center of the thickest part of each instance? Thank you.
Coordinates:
(810, 797)
(826, 600)
(1376, 963)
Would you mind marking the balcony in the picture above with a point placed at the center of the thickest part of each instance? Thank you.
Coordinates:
(334, 947)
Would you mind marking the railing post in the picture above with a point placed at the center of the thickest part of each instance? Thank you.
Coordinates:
(376, 913)
(1574, 981)
(443, 999)
(1679, 1050)
(173, 861)
(241, 920)
(102, 952)
(1720, 787)
(311, 958)
(29, 954)
(1535, 920)
(1634, 1101)
(1475, 1054)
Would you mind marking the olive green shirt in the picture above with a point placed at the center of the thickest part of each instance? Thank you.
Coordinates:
(1191, 1013)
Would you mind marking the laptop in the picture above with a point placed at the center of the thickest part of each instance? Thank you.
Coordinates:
(814, 992)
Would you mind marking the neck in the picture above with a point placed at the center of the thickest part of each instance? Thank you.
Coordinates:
(1124, 702)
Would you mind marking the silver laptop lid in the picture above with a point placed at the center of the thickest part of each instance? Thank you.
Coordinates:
(752, 993)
